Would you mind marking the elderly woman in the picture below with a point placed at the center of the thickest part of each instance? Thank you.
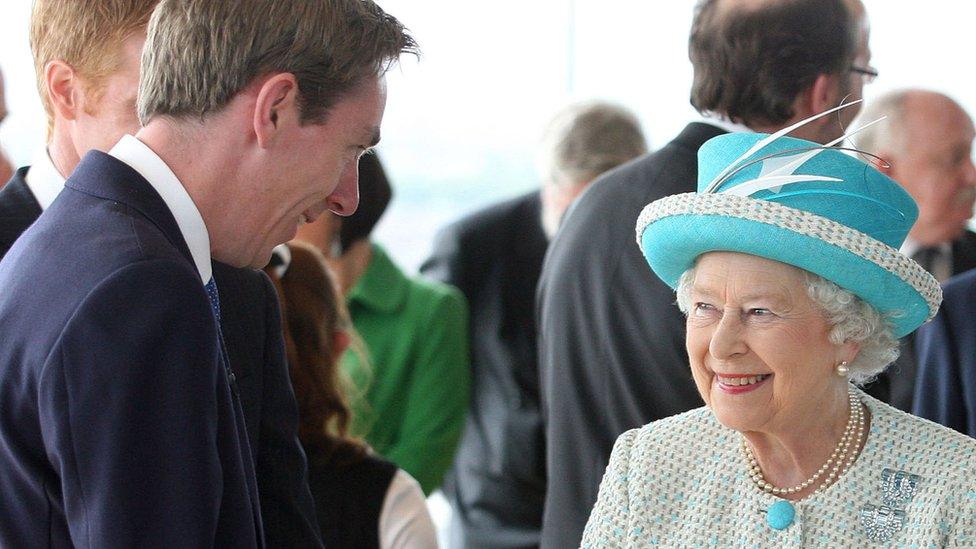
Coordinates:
(786, 266)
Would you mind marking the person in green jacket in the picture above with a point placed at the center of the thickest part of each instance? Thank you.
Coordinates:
(412, 380)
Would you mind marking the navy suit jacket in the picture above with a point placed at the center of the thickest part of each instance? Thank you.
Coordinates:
(118, 426)
(896, 385)
(945, 389)
(250, 323)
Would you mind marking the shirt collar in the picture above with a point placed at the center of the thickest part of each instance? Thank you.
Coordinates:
(383, 286)
(142, 159)
(910, 247)
(43, 179)
(724, 123)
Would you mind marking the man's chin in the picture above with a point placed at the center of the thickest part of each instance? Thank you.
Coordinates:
(258, 261)
(261, 260)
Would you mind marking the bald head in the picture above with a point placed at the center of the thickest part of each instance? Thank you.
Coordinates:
(927, 143)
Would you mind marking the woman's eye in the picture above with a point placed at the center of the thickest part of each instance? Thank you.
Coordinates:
(701, 308)
(759, 311)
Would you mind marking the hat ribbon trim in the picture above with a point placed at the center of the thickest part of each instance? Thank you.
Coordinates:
(801, 222)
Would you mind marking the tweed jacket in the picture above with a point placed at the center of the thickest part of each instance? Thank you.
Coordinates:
(683, 482)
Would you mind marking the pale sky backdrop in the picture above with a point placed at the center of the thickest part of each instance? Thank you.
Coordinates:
(463, 122)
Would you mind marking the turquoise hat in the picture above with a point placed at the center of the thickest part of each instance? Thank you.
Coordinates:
(801, 203)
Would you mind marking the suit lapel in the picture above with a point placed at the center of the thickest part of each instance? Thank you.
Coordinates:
(18, 209)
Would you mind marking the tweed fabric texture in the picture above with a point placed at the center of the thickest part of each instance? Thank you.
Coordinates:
(682, 482)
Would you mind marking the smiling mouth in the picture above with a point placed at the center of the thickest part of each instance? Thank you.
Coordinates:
(738, 381)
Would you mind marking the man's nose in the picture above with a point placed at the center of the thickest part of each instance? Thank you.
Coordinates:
(345, 198)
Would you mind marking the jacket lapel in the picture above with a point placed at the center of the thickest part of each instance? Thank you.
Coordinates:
(18, 209)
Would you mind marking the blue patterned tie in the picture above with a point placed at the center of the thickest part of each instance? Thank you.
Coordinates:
(214, 296)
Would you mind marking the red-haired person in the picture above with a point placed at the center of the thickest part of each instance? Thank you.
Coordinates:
(362, 500)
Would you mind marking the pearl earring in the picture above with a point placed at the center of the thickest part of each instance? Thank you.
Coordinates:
(842, 369)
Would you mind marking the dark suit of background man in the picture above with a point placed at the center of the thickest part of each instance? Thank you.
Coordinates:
(925, 145)
(248, 303)
(612, 353)
(497, 484)
(120, 415)
(945, 391)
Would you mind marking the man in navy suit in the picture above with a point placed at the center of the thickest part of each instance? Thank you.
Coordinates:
(92, 109)
(120, 416)
(945, 386)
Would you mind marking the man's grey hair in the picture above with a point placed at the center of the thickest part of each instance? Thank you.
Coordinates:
(851, 320)
(199, 54)
(586, 139)
(885, 136)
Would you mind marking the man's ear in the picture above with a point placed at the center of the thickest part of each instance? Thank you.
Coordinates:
(63, 89)
(276, 104)
(823, 94)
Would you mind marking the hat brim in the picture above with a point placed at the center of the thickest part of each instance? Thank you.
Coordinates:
(672, 243)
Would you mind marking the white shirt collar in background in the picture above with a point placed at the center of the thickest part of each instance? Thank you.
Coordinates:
(942, 263)
(726, 124)
(142, 159)
(910, 247)
(43, 179)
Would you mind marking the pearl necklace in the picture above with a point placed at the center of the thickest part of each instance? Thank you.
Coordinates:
(840, 460)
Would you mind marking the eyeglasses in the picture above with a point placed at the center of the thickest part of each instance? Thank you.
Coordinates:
(869, 73)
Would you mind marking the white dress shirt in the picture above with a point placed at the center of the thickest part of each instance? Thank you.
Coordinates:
(43, 179)
(941, 263)
(726, 124)
(143, 160)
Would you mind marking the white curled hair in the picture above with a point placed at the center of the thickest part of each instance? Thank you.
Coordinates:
(851, 320)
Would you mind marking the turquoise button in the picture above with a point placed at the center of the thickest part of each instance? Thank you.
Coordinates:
(780, 515)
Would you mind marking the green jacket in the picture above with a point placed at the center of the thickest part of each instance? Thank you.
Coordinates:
(414, 392)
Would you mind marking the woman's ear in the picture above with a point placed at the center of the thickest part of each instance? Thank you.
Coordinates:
(848, 352)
